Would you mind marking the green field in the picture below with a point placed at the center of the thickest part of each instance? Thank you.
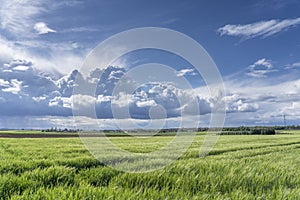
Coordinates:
(20, 132)
(239, 167)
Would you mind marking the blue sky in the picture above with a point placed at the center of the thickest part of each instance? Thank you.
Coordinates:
(255, 45)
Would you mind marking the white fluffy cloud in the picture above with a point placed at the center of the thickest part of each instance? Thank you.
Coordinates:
(31, 93)
(42, 28)
(292, 110)
(4, 83)
(102, 98)
(14, 64)
(65, 102)
(185, 72)
(235, 103)
(266, 102)
(259, 29)
(14, 86)
(296, 64)
(122, 99)
(146, 103)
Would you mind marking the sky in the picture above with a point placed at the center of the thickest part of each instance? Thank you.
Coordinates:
(254, 44)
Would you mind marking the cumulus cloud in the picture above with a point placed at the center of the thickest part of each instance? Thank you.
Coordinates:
(292, 110)
(260, 68)
(83, 101)
(102, 98)
(42, 28)
(185, 72)
(173, 100)
(267, 99)
(146, 103)
(4, 83)
(259, 29)
(18, 64)
(59, 101)
(296, 64)
(39, 99)
(35, 94)
(236, 103)
(14, 86)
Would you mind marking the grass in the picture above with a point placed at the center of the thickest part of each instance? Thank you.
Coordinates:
(289, 131)
(239, 167)
(20, 132)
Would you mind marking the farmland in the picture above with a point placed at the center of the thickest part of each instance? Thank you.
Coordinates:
(239, 167)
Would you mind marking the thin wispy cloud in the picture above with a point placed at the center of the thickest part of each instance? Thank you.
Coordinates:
(18, 20)
(59, 54)
(17, 17)
(42, 28)
(170, 21)
(258, 29)
(293, 66)
(260, 68)
(274, 4)
(80, 29)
